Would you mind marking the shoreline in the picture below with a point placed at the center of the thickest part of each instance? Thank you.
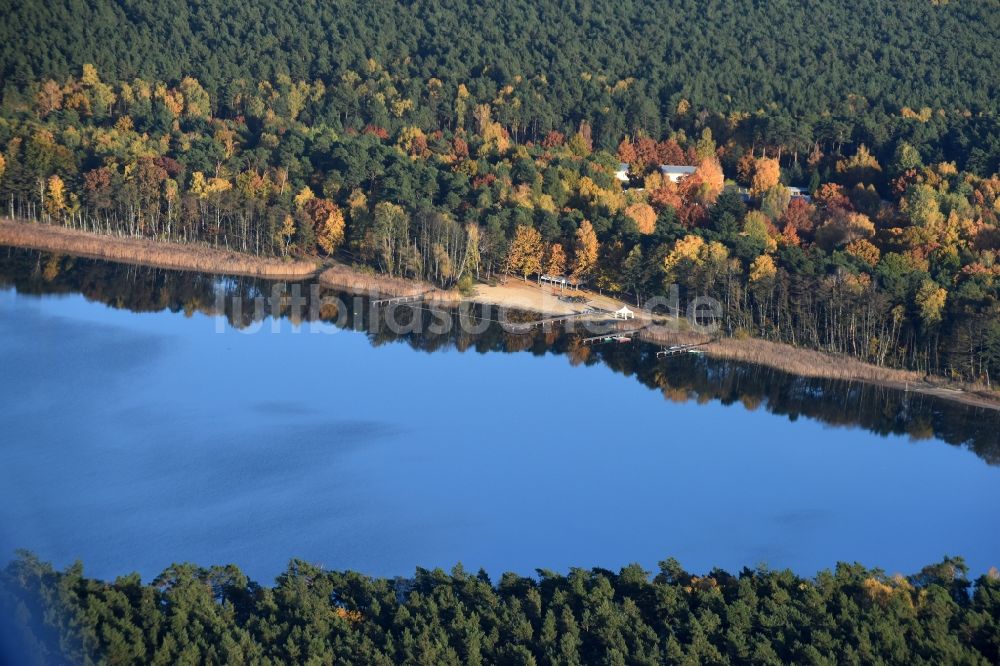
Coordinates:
(348, 278)
(817, 364)
(148, 252)
(513, 294)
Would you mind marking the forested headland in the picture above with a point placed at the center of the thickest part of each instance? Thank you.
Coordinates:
(190, 614)
(459, 143)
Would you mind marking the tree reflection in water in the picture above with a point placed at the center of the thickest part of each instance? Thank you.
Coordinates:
(680, 378)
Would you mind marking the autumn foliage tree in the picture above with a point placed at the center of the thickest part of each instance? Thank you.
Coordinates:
(55, 200)
(626, 152)
(762, 270)
(644, 217)
(585, 252)
(328, 223)
(862, 167)
(766, 174)
(843, 228)
(473, 258)
(556, 262)
(864, 250)
(705, 185)
(665, 195)
(931, 299)
(695, 264)
(524, 256)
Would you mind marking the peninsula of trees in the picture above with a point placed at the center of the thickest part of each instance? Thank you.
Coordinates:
(455, 144)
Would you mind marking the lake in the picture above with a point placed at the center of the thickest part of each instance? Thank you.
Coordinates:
(145, 425)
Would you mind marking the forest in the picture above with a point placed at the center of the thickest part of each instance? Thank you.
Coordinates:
(461, 144)
(833, 71)
(190, 615)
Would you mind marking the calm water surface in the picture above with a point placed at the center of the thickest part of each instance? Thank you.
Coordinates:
(131, 440)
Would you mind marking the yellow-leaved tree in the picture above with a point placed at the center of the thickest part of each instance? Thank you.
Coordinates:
(758, 228)
(762, 270)
(706, 184)
(685, 249)
(303, 197)
(203, 187)
(861, 168)
(283, 236)
(472, 259)
(196, 101)
(525, 253)
(461, 103)
(865, 250)
(643, 215)
(581, 143)
(922, 207)
(695, 264)
(931, 299)
(495, 138)
(766, 174)
(413, 141)
(55, 197)
(586, 251)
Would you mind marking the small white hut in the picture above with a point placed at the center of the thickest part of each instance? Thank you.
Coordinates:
(624, 313)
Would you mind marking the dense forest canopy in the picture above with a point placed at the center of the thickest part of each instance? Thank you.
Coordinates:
(192, 615)
(624, 66)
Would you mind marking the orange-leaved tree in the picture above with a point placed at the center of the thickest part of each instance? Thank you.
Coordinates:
(766, 174)
(556, 264)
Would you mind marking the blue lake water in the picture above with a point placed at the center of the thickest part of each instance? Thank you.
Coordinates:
(131, 440)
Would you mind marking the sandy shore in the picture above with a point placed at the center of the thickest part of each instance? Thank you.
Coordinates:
(513, 293)
(147, 252)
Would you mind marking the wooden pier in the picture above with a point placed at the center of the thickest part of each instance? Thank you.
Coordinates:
(398, 300)
(675, 350)
(524, 327)
(619, 336)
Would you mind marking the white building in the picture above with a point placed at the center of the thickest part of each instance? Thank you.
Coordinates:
(799, 193)
(622, 173)
(676, 173)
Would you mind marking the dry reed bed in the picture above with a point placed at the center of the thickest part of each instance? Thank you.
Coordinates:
(819, 364)
(148, 252)
(357, 281)
(804, 362)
